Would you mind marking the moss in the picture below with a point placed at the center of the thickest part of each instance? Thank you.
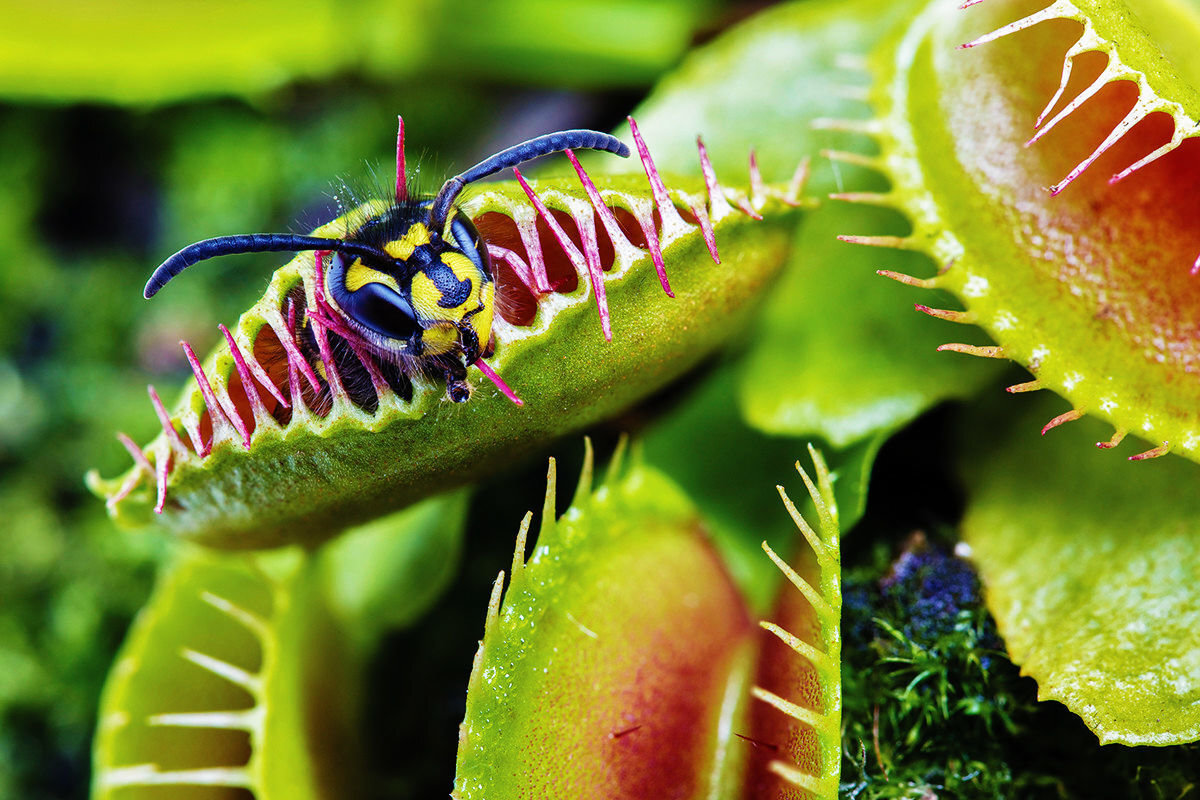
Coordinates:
(933, 707)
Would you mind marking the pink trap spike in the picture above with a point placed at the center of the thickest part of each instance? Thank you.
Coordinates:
(611, 224)
(1136, 115)
(377, 379)
(748, 209)
(296, 359)
(533, 249)
(331, 374)
(217, 410)
(500, 384)
(160, 473)
(706, 227)
(1155, 452)
(294, 380)
(1050, 12)
(1068, 64)
(1067, 416)
(124, 490)
(581, 264)
(716, 195)
(519, 267)
(215, 413)
(256, 403)
(136, 453)
(586, 224)
(758, 191)
(656, 184)
(322, 313)
(401, 177)
(671, 221)
(202, 447)
(165, 420)
(257, 371)
(646, 222)
(799, 181)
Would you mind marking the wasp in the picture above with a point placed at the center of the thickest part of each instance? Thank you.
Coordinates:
(413, 284)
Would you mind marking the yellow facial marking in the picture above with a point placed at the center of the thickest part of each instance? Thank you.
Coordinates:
(439, 339)
(425, 297)
(481, 321)
(463, 269)
(416, 235)
(359, 275)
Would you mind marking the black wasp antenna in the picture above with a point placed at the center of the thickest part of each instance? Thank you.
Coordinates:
(439, 210)
(518, 154)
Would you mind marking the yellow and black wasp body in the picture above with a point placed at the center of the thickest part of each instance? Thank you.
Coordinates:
(413, 284)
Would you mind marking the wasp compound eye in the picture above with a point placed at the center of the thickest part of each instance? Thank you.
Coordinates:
(372, 297)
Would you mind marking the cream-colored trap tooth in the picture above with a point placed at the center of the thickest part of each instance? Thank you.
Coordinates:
(223, 669)
(1067, 416)
(982, 351)
(1154, 452)
(893, 242)
(920, 283)
(148, 775)
(871, 126)
(855, 159)
(961, 317)
(826, 659)
(864, 198)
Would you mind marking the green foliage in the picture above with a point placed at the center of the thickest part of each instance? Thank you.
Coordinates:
(1087, 559)
(139, 52)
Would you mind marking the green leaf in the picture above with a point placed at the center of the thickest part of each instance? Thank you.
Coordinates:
(837, 355)
(232, 676)
(1091, 566)
(386, 574)
(618, 664)
(137, 51)
(799, 675)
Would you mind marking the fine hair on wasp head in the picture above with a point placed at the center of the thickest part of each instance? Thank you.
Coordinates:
(414, 282)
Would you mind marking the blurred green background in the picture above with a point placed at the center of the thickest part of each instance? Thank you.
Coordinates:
(130, 128)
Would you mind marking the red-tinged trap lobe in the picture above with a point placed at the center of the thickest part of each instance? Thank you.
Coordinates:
(1114, 258)
(618, 663)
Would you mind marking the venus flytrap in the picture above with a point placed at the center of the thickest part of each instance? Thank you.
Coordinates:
(1092, 588)
(244, 672)
(289, 432)
(234, 677)
(619, 661)
(1045, 163)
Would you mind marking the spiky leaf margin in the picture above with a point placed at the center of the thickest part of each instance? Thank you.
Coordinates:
(1126, 358)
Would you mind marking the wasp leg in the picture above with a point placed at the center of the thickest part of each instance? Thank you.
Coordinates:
(470, 342)
(456, 382)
